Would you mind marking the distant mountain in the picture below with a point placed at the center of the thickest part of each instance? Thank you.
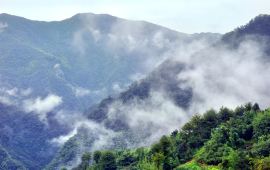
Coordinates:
(83, 58)
(257, 26)
(117, 113)
(257, 29)
(71, 64)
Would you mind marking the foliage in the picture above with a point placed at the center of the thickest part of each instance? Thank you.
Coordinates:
(193, 165)
(262, 164)
(228, 139)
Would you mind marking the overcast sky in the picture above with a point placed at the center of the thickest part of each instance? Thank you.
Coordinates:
(187, 16)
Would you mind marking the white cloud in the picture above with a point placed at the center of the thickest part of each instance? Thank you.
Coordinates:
(137, 77)
(3, 26)
(220, 76)
(149, 119)
(117, 87)
(60, 140)
(12, 92)
(41, 106)
(81, 92)
(6, 100)
(100, 134)
(12, 95)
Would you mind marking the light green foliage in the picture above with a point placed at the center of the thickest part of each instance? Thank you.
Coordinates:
(262, 164)
(146, 165)
(158, 158)
(193, 165)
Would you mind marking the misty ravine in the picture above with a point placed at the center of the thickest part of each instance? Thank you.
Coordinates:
(99, 92)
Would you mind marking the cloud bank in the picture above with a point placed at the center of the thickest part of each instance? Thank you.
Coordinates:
(42, 106)
(221, 76)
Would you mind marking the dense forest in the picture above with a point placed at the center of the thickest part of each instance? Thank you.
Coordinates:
(227, 139)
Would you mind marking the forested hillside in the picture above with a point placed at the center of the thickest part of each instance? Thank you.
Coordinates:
(227, 139)
(225, 73)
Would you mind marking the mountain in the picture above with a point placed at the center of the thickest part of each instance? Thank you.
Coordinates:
(121, 134)
(257, 28)
(169, 96)
(52, 71)
(84, 58)
(7, 162)
(26, 139)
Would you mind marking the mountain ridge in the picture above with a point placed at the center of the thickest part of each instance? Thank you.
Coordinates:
(73, 64)
(140, 92)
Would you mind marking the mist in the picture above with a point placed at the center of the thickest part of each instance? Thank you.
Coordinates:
(218, 75)
(222, 76)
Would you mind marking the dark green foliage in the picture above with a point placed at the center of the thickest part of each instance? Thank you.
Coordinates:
(261, 123)
(126, 159)
(96, 156)
(226, 139)
(262, 147)
(256, 107)
(224, 114)
(85, 161)
(197, 131)
(108, 161)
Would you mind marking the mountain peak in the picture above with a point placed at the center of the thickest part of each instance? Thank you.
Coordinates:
(258, 25)
(92, 15)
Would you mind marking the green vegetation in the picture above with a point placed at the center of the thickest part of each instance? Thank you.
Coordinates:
(193, 165)
(227, 140)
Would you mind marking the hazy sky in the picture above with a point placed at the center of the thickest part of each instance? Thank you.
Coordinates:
(183, 15)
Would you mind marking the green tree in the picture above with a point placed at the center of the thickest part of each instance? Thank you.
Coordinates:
(262, 147)
(85, 161)
(261, 124)
(96, 156)
(158, 158)
(231, 160)
(108, 161)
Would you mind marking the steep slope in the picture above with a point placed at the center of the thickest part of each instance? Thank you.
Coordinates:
(257, 29)
(7, 162)
(212, 76)
(227, 139)
(26, 139)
